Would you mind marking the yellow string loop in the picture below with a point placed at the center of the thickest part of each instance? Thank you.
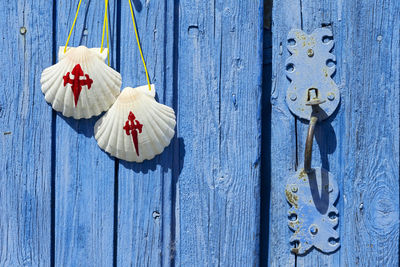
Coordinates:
(73, 25)
(108, 44)
(138, 43)
(105, 25)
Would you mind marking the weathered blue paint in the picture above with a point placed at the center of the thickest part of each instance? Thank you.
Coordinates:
(313, 216)
(359, 144)
(84, 175)
(145, 190)
(64, 201)
(198, 202)
(198, 65)
(219, 56)
(312, 194)
(310, 66)
(25, 134)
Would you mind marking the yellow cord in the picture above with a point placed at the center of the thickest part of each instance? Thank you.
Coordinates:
(138, 43)
(108, 45)
(73, 24)
(105, 25)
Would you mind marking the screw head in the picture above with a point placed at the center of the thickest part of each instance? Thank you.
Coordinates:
(156, 215)
(294, 189)
(310, 52)
(313, 229)
(293, 97)
(22, 30)
(331, 96)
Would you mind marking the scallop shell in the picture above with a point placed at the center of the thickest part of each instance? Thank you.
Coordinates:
(97, 89)
(136, 127)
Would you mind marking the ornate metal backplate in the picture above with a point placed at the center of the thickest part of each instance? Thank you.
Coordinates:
(310, 66)
(313, 216)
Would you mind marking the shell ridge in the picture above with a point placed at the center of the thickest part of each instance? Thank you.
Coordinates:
(47, 76)
(154, 147)
(103, 131)
(167, 121)
(112, 144)
(60, 94)
(98, 129)
(160, 125)
(51, 92)
(143, 147)
(91, 102)
(121, 153)
(82, 107)
(108, 88)
(165, 110)
(158, 122)
(93, 97)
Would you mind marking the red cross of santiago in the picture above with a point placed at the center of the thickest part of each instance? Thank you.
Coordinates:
(133, 126)
(77, 83)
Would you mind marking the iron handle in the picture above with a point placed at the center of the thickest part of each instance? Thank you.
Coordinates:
(309, 144)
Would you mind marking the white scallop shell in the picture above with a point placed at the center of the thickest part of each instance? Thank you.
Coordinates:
(157, 120)
(104, 89)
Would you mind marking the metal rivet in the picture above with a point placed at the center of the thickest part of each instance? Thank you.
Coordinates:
(379, 38)
(294, 189)
(331, 96)
(293, 97)
(22, 30)
(85, 32)
(310, 52)
(313, 229)
(361, 206)
(156, 215)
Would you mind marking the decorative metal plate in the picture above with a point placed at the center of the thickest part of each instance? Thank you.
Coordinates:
(310, 66)
(313, 216)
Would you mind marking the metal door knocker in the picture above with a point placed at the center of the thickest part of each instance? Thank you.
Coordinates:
(312, 95)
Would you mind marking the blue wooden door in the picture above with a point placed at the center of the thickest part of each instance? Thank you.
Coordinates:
(215, 196)
(64, 202)
(359, 144)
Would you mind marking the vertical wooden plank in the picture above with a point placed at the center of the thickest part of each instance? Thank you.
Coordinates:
(84, 174)
(25, 134)
(370, 155)
(360, 143)
(144, 190)
(368, 204)
(285, 16)
(219, 87)
(326, 153)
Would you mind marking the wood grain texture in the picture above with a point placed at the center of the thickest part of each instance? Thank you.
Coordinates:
(370, 156)
(84, 175)
(326, 152)
(144, 189)
(283, 135)
(359, 143)
(219, 88)
(197, 204)
(25, 134)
